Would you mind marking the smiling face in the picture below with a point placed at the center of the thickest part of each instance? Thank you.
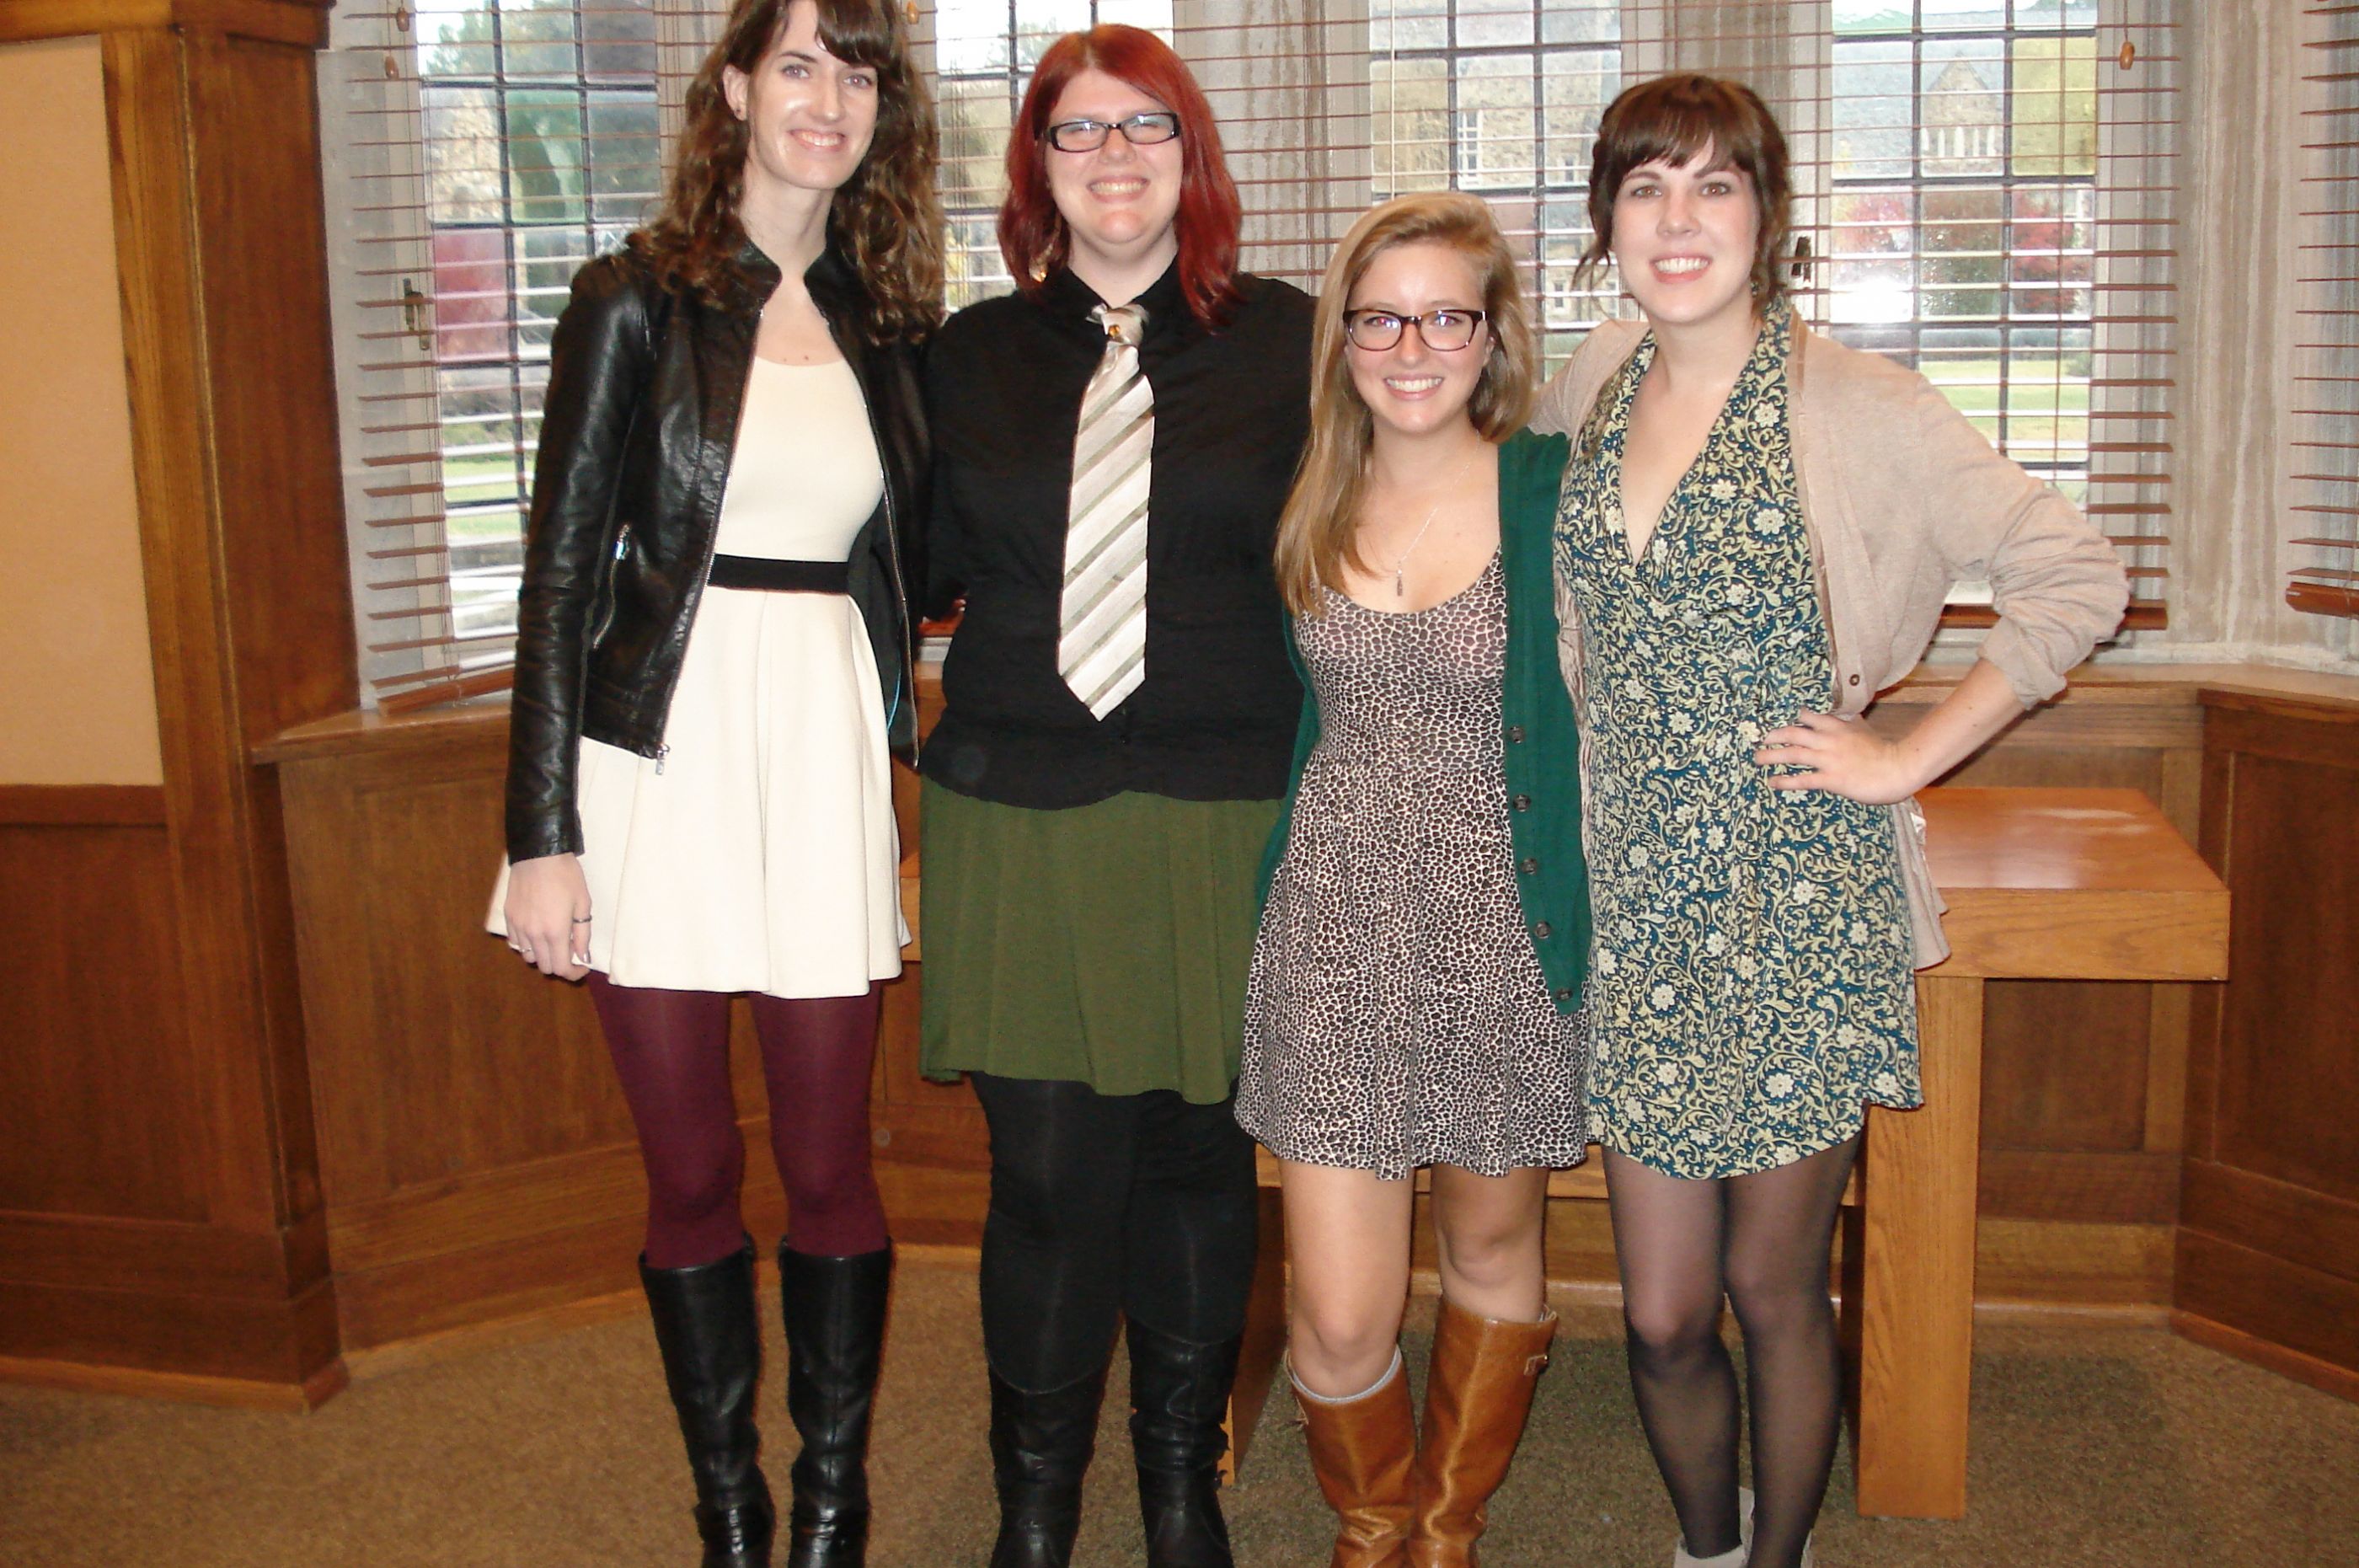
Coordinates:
(808, 116)
(1412, 390)
(1119, 203)
(1684, 239)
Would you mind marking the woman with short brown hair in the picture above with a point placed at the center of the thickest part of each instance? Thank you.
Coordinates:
(1758, 529)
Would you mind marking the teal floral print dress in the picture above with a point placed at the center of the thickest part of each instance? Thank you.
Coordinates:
(1750, 989)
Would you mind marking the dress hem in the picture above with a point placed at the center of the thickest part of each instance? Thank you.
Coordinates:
(1858, 1127)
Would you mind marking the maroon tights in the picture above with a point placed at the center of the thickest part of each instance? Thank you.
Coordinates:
(672, 1050)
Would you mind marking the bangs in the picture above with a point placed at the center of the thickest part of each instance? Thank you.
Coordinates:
(1675, 131)
(855, 34)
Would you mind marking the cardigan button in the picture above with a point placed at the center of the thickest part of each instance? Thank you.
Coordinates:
(1540, 928)
(1854, 679)
(1531, 864)
(1522, 802)
(1564, 993)
(1515, 734)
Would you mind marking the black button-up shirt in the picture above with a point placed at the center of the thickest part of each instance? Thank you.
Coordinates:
(1214, 719)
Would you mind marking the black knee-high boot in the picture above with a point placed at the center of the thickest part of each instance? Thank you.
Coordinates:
(708, 1333)
(835, 1309)
(1179, 1400)
(1040, 1448)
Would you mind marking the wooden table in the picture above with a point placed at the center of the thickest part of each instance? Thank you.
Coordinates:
(2042, 885)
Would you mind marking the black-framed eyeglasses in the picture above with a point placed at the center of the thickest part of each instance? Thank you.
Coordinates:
(1446, 330)
(1150, 129)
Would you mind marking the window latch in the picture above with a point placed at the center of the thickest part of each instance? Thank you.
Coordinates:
(413, 315)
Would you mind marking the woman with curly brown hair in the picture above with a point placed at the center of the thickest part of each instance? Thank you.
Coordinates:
(712, 663)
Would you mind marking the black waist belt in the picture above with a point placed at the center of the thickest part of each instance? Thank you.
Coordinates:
(779, 576)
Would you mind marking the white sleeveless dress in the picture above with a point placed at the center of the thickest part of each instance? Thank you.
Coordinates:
(759, 852)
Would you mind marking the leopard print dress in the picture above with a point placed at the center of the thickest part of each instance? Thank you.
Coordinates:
(1396, 1015)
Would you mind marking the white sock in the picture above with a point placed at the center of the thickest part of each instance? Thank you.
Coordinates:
(1318, 1398)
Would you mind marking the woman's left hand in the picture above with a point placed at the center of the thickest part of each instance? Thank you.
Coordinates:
(1841, 756)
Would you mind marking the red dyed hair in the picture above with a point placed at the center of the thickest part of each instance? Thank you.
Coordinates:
(1032, 232)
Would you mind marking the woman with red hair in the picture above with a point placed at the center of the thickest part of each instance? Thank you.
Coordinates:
(1113, 445)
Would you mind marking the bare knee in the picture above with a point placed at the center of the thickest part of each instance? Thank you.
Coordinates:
(1490, 1254)
(1338, 1351)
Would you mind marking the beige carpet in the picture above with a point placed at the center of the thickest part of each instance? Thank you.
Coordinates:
(2121, 1448)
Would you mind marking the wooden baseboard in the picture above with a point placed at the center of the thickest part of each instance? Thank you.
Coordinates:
(183, 1388)
(525, 1327)
(2324, 1376)
(519, 1328)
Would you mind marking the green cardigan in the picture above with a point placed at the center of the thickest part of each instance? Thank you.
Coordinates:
(1540, 750)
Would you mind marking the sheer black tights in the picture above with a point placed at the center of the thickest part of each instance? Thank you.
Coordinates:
(1763, 1241)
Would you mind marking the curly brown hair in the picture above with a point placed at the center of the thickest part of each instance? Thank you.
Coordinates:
(885, 218)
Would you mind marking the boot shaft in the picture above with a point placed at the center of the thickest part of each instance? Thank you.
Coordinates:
(709, 1337)
(1478, 1394)
(1180, 1403)
(1363, 1451)
(1041, 1442)
(835, 1311)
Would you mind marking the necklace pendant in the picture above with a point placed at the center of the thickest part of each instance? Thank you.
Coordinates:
(1397, 585)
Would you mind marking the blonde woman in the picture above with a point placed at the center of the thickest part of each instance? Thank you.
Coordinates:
(1425, 919)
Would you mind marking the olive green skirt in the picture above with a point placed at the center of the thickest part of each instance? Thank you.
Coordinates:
(1104, 944)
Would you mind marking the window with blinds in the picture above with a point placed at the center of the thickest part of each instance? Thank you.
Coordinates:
(2325, 413)
(495, 150)
(1985, 192)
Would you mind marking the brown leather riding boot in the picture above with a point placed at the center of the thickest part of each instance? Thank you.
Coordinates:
(1360, 1450)
(1477, 1393)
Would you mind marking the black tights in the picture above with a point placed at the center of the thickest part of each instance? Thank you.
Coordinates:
(1764, 1242)
(1107, 1204)
(671, 1051)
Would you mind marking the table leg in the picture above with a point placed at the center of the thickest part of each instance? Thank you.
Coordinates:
(1917, 1330)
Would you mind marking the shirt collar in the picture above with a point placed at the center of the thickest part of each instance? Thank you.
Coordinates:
(1164, 300)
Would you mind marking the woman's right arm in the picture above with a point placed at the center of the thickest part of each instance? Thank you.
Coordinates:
(597, 367)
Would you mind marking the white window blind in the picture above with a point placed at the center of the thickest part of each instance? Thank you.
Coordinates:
(1985, 191)
(488, 151)
(2324, 530)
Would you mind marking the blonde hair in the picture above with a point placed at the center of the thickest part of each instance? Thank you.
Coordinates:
(1315, 533)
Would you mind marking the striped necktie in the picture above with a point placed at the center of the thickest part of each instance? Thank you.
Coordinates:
(1101, 624)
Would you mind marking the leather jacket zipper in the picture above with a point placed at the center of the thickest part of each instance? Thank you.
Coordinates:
(908, 670)
(606, 605)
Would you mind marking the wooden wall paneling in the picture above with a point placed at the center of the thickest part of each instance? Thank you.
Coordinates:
(2267, 1262)
(2288, 1084)
(271, 373)
(2305, 1310)
(2067, 1068)
(207, 1257)
(91, 972)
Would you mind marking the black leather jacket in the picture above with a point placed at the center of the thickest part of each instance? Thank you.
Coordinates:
(645, 388)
